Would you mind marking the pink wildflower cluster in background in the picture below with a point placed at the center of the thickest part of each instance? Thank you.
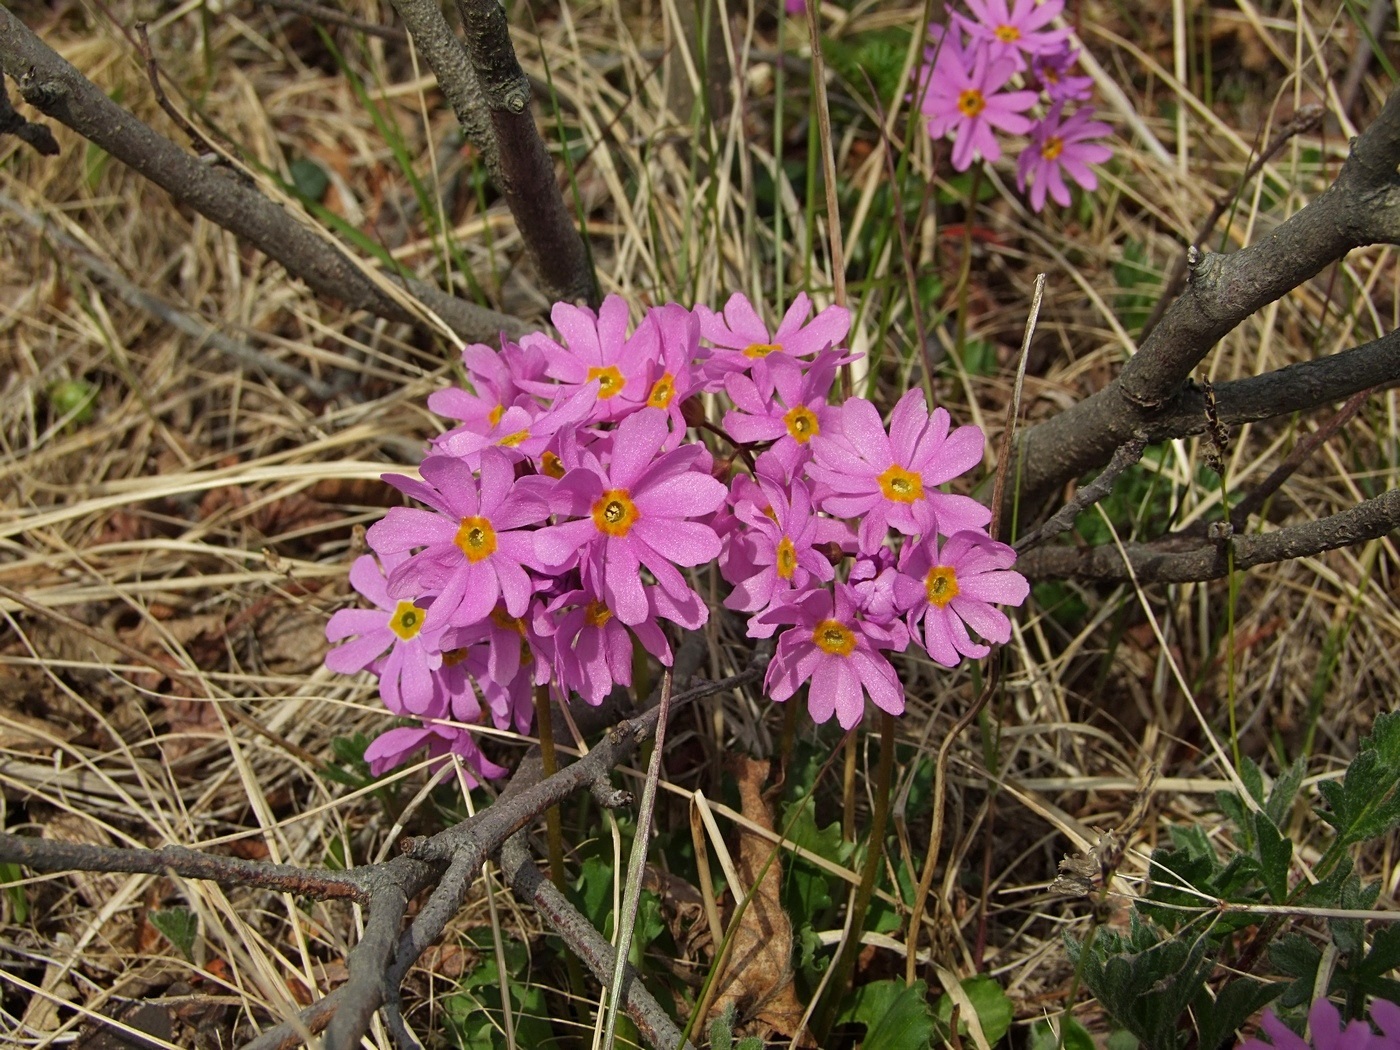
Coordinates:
(555, 522)
(985, 76)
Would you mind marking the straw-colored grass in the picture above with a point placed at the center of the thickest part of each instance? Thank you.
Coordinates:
(169, 563)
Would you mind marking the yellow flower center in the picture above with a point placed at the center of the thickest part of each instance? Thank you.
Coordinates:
(971, 102)
(662, 391)
(551, 466)
(511, 440)
(832, 636)
(786, 561)
(941, 584)
(1007, 34)
(453, 657)
(900, 485)
(757, 350)
(1053, 147)
(494, 416)
(407, 620)
(597, 614)
(610, 381)
(615, 513)
(476, 539)
(801, 423)
(506, 621)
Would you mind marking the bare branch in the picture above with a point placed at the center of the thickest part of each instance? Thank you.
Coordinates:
(523, 171)
(37, 135)
(1305, 120)
(1191, 560)
(1362, 207)
(52, 855)
(50, 84)
(529, 884)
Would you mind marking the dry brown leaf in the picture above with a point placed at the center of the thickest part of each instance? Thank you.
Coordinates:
(757, 978)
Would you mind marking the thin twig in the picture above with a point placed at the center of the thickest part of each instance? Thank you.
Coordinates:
(334, 16)
(1086, 496)
(1255, 499)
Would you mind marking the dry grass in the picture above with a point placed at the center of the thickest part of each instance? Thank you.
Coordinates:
(170, 563)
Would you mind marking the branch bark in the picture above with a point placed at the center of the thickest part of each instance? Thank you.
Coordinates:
(1192, 560)
(54, 87)
(1361, 207)
(490, 94)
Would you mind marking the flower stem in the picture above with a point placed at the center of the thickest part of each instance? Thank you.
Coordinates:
(825, 1017)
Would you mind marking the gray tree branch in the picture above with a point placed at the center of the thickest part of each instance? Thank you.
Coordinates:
(1192, 559)
(485, 86)
(1362, 207)
(54, 87)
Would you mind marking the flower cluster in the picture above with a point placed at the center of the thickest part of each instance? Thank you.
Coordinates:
(553, 525)
(986, 73)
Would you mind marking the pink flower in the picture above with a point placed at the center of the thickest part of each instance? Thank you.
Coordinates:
(1325, 1025)
(632, 513)
(834, 650)
(889, 480)
(675, 374)
(963, 97)
(874, 583)
(493, 376)
(784, 556)
(1060, 147)
(1052, 71)
(952, 589)
(475, 547)
(597, 354)
(593, 649)
(790, 413)
(795, 7)
(396, 626)
(742, 341)
(522, 431)
(1013, 32)
(396, 746)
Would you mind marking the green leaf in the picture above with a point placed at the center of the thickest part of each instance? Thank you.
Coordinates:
(1231, 805)
(807, 889)
(17, 895)
(1077, 1037)
(1284, 791)
(1143, 982)
(73, 398)
(1275, 854)
(649, 926)
(1295, 955)
(1365, 804)
(993, 1008)
(1218, 1017)
(1252, 778)
(593, 891)
(179, 926)
(309, 179)
(895, 1015)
